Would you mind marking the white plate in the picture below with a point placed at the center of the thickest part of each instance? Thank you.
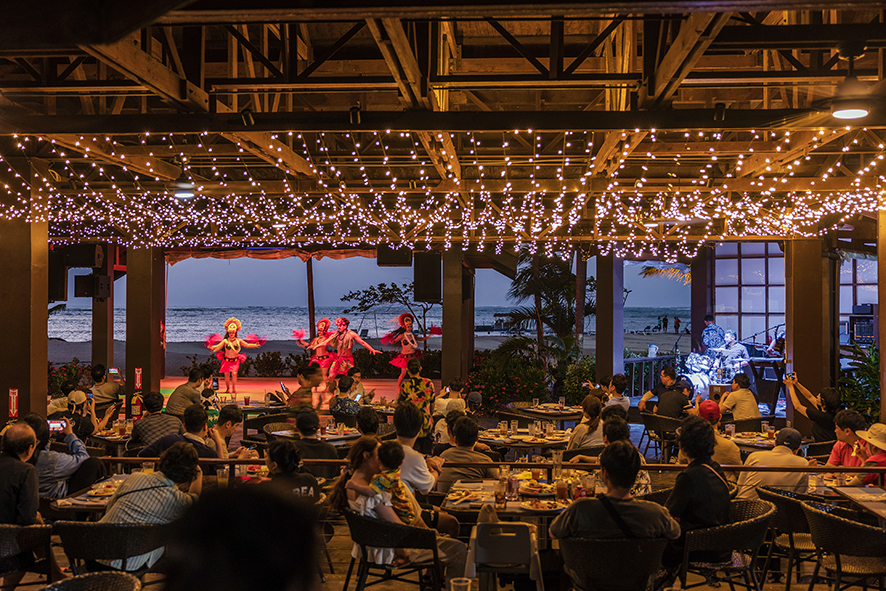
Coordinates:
(556, 508)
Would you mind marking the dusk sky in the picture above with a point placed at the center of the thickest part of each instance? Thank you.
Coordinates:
(250, 282)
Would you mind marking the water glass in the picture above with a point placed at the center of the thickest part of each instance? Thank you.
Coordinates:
(764, 426)
(121, 427)
(730, 430)
(224, 476)
(129, 426)
(549, 429)
(503, 428)
(535, 403)
(148, 467)
(562, 402)
(460, 584)
(515, 426)
(557, 456)
(340, 429)
(233, 398)
(501, 494)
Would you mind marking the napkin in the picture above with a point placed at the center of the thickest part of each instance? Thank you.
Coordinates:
(468, 486)
(64, 503)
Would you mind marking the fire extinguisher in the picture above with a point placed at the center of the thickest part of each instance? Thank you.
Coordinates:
(136, 406)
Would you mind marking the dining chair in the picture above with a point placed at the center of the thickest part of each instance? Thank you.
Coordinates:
(501, 548)
(16, 539)
(103, 581)
(612, 564)
(85, 543)
(789, 530)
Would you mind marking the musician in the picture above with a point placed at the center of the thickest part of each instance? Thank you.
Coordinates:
(711, 337)
(735, 354)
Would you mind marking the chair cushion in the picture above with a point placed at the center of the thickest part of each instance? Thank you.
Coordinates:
(802, 542)
(857, 565)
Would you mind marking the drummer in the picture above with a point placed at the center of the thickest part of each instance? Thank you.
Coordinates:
(735, 354)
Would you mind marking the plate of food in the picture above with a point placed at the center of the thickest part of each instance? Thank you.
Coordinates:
(747, 435)
(101, 492)
(536, 489)
(540, 506)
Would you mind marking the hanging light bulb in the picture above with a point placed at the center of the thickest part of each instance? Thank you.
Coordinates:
(183, 186)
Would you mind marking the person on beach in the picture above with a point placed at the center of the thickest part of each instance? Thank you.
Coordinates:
(676, 325)
(344, 340)
(320, 353)
(228, 350)
(408, 342)
(664, 324)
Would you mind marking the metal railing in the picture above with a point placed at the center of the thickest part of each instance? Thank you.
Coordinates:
(643, 372)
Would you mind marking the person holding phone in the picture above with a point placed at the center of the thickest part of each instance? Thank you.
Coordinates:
(82, 414)
(105, 392)
(820, 409)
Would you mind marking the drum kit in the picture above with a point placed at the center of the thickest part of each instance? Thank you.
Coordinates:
(703, 370)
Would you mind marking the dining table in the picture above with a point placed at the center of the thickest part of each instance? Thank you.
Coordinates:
(349, 435)
(871, 499)
(521, 440)
(552, 412)
(114, 441)
(93, 500)
(754, 441)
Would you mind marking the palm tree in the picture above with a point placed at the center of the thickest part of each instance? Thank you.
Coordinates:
(668, 273)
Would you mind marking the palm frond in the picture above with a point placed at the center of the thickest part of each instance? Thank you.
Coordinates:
(667, 273)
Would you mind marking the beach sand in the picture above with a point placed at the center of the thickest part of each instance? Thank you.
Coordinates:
(177, 353)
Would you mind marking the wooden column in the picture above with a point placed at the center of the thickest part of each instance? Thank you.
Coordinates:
(811, 318)
(881, 303)
(454, 337)
(103, 314)
(312, 320)
(581, 296)
(700, 293)
(24, 299)
(145, 302)
(610, 315)
(467, 320)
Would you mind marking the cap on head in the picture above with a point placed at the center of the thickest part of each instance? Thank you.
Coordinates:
(307, 422)
(789, 437)
(77, 397)
(709, 411)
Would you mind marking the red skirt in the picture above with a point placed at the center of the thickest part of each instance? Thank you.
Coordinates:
(232, 365)
(402, 359)
(324, 361)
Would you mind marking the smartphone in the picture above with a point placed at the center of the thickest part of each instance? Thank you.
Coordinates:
(215, 383)
(358, 397)
(89, 394)
(114, 374)
(56, 426)
(792, 375)
(283, 388)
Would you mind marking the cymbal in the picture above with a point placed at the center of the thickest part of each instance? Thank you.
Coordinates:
(718, 349)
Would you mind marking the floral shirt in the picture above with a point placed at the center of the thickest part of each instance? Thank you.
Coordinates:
(389, 482)
(420, 392)
(713, 337)
(344, 405)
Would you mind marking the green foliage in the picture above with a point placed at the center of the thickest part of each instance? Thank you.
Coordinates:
(382, 295)
(577, 374)
(212, 363)
(74, 371)
(270, 364)
(500, 385)
(860, 385)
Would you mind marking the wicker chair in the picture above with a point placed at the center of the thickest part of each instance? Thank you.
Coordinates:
(790, 532)
(658, 496)
(106, 581)
(350, 421)
(369, 532)
(15, 539)
(501, 548)
(386, 431)
(89, 541)
(257, 424)
(612, 564)
(270, 428)
(742, 537)
(583, 451)
(663, 431)
(820, 448)
(844, 547)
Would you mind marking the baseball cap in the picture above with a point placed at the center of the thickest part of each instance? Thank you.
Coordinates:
(709, 411)
(474, 400)
(684, 383)
(307, 422)
(77, 397)
(789, 437)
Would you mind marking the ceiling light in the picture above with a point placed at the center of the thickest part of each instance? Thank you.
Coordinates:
(851, 100)
(184, 186)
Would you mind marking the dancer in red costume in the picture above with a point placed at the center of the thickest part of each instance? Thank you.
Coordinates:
(344, 339)
(227, 349)
(407, 341)
(320, 353)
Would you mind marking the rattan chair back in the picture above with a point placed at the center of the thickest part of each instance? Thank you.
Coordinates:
(749, 522)
(270, 428)
(104, 581)
(15, 539)
(377, 533)
(658, 496)
(108, 541)
(503, 543)
(789, 515)
(838, 535)
(612, 564)
(820, 448)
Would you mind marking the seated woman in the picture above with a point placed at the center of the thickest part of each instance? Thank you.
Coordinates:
(589, 432)
(363, 466)
(283, 460)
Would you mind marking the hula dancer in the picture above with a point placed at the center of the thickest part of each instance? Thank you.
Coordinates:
(227, 349)
(407, 341)
(320, 353)
(344, 339)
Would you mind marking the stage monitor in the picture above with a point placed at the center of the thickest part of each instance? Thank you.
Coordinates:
(387, 256)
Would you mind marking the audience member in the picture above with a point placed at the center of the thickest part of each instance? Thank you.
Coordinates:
(309, 377)
(284, 468)
(846, 423)
(741, 402)
(700, 497)
(596, 517)
(417, 472)
(474, 401)
(668, 379)
(60, 473)
(677, 401)
(820, 409)
(282, 553)
(616, 429)
(229, 420)
(367, 420)
(449, 422)
(80, 411)
(614, 411)
(342, 402)
(155, 497)
(19, 499)
(359, 389)
(311, 448)
(726, 453)
(154, 423)
(104, 392)
(195, 424)
(58, 401)
(420, 392)
(874, 454)
(186, 394)
(589, 432)
(209, 399)
(465, 432)
(785, 453)
(616, 388)
(441, 428)
(390, 458)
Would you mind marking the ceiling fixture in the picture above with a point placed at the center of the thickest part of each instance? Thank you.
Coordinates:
(851, 100)
(184, 185)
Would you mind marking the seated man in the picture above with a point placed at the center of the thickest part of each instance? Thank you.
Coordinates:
(229, 420)
(311, 448)
(155, 497)
(154, 423)
(61, 473)
(81, 412)
(844, 453)
(725, 451)
(676, 402)
(367, 420)
(668, 380)
(593, 517)
(465, 432)
(785, 453)
(616, 429)
(104, 392)
(741, 402)
(186, 394)
(195, 432)
(616, 389)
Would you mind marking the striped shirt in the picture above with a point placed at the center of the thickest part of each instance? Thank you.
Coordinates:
(152, 427)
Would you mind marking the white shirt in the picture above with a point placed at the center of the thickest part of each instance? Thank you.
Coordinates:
(414, 472)
(780, 455)
(624, 401)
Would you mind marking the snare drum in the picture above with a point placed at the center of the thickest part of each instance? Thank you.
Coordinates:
(700, 381)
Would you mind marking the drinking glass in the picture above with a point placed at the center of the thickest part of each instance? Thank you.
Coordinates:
(532, 429)
(224, 475)
(764, 426)
(233, 398)
(549, 429)
(461, 584)
(770, 433)
(515, 427)
(340, 429)
(537, 470)
(562, 490)
(562, 402)
(121, 427)
(129, 426)
(730, 430)
(246, 399)
(267, 398)
(503, 428)
(535, 403)
(148, 467)
(501, 495)
(557, 457)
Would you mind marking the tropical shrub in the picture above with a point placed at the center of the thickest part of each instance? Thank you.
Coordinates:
(499, 385)
(860, 384)
(270, 364)
(577, 374)
(73, 371)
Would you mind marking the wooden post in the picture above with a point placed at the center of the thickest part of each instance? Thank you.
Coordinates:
(700, 293)
(539, 327)
(610, 316)
(24, 299)
(145, 289)
(581, 294)
(881, 302)
(452, 363)
(103, 314)
(311, 319)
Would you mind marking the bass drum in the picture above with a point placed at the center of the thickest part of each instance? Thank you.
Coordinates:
(698, 363)
(700, 381)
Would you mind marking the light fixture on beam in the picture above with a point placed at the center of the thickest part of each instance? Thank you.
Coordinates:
(851, 100)
(184, 185)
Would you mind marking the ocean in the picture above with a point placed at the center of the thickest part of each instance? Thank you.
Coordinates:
(74, 324)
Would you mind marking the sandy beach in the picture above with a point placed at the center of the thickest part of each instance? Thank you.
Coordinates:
(177, 353)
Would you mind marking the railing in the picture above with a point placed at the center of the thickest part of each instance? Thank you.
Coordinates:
(643, 372)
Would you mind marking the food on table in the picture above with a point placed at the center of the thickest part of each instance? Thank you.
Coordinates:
(541, 505)
(533, 487)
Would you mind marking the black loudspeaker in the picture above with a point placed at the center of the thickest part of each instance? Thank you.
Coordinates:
(428, 276)
(84, 255)
(58, 277)
(92, 286)
(393, 257)
(716, 391)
